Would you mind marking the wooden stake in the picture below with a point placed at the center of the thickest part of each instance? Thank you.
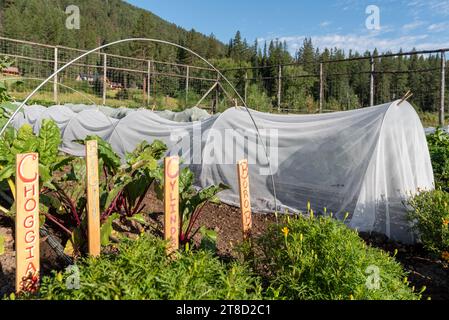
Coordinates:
(407, 96)
(171, 202)
(245, 200)
(27, 222)
(93, 198)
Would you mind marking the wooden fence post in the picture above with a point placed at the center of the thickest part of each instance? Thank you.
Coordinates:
(442, 89)
(55, 80)
(246, 87)
(93, 198)
(105, 77)
(187, 84)
(321, 87)
(27, 222)
(371, 82)
(279, 87)
(149, 82)
(245, 200)
(171, 202)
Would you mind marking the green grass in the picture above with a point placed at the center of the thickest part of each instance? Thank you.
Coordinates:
(431, 119)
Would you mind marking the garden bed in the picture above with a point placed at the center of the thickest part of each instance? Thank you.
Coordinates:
(226, 221)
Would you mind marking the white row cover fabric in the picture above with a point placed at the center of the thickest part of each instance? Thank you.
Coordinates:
(365, 162)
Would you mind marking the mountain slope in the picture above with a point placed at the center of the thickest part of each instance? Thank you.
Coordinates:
(102, 21)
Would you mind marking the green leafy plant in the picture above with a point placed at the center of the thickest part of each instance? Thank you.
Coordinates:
(142, 270)
(123, 188)
(191, 204)
(429, 215)
(321, 259)
(438, 143)
(24, 141)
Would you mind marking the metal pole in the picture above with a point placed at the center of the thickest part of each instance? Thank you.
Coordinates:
(443, 87)
(217, 94)
(321, 88)
(55, 80)
(371, 83)
(149, 83)
(279, 87)
(105, 73)
(246, 86)
(187, 83)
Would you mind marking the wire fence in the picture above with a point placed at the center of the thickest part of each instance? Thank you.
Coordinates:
(313, 87)
(334, 85)
(104, 78)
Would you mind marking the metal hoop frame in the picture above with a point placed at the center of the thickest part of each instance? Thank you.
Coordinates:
(161, 42)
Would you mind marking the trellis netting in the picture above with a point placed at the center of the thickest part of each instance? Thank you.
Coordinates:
(364, 162)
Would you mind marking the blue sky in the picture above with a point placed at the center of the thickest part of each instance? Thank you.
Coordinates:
(423, 24)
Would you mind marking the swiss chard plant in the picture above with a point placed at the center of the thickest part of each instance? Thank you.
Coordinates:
(123, 187)
(191, 205)
(46, 143)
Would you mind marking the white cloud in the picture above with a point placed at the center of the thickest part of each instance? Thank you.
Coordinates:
(325, 24)
(438, 27)
(412, 26)
(436, 7)
(361, 43)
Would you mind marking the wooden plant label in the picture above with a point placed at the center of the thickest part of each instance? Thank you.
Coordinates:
(245, 200)
(93, 198)
(171, 202)
(27, 222)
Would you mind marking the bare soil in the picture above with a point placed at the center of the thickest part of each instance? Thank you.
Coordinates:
(425, 270)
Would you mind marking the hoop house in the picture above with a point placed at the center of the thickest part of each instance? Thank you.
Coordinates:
(366, 162)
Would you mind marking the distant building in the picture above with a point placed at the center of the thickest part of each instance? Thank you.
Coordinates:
(115, 85)
(85, 77)
(12, 71)
(92, 78)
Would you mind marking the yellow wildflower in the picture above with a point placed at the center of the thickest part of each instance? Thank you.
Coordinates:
(445, 256)
(285, 231)
(445, 222)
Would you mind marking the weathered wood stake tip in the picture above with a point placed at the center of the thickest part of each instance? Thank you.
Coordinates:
(93, 198)
(27, 222)
(171, 203)
(245, 199)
